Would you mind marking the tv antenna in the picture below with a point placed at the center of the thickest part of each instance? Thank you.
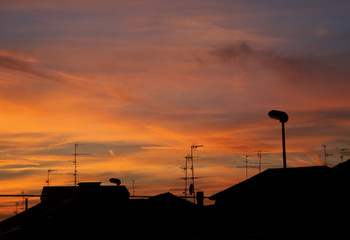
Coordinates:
(246, 166)
(326, 154)
(75, 161)
(186, 178)
(16, 205)
(343, 151)
(191, 188)
(48, 176)
(259, 156)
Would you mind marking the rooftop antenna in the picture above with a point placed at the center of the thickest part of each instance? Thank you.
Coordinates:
(187, 158)
(260, 156)
(326, 154)
(192, 187)
(75, 161)
(343, 152)
(16, 211)
(48, 176)
(246, 167)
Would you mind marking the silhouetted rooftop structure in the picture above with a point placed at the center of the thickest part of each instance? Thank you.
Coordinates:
(273, 204)
(274, 187)
(92, 211)
(91, 189)
(289, 187)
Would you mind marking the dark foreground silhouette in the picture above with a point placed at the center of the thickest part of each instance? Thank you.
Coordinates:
(291, 203)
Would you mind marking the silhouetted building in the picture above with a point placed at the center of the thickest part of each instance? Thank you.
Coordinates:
(85, 189)
(275, 188)
(70, 212)
(306, 202)
(92, 211)
(303, 202)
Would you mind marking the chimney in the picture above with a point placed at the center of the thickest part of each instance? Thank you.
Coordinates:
(200, 199)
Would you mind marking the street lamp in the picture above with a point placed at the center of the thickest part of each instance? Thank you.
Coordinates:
(283, 118)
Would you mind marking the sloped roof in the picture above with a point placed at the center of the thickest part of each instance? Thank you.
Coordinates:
(280, 178)
(344, 165)
(170, 199)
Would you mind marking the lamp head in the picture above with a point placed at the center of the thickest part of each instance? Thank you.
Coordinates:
(278, 115)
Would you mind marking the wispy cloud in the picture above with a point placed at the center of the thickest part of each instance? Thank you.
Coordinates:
(16, 62)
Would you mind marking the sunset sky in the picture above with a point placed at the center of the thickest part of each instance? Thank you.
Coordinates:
(138, 82)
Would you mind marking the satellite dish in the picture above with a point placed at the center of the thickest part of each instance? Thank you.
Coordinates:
(115, 180)
(191, 189)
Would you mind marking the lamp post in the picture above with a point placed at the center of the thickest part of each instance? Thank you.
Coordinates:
(283, 118)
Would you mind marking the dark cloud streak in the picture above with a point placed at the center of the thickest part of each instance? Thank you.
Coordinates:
(301, 69)
(25, 67)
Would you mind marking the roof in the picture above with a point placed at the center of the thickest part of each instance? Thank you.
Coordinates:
(278, 178)
(170, 199)
(84, 189)
(343, 166)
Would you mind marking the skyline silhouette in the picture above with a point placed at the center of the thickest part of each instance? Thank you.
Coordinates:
(297, 202)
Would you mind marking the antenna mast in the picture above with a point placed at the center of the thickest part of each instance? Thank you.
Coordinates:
(192, 188)
(343, 152)
(75, 161)
(260, 156)
(187, 158)
(246, 167)
(48, 176)
(326, 154)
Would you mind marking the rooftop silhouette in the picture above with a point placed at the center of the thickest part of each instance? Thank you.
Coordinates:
(277, 203)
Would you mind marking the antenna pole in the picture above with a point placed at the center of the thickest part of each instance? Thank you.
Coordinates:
(75, 163)
(246, 167)
(186, 173)
(48, 176)
(326, 154)
(342, 151)
(192, 168)
(194, 193)
(260, 156)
